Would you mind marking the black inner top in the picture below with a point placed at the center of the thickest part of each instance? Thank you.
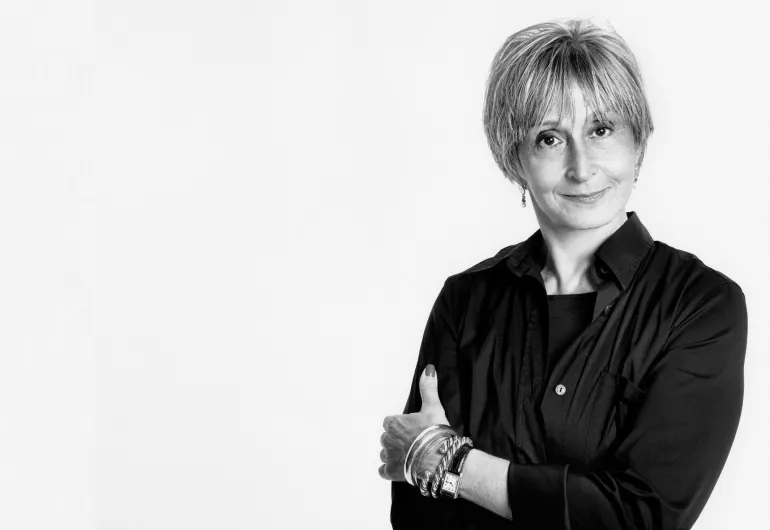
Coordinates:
(568, 316)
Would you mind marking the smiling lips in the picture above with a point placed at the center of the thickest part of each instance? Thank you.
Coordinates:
(587, 199)
(583, 195)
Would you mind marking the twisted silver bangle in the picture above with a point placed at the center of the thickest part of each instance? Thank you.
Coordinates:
(424, 483)
(438, 475)
(450, 463)
(441, 441)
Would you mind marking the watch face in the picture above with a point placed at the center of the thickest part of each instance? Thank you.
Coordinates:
(450, 484)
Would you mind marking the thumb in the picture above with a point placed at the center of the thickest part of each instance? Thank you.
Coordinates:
(429, 388)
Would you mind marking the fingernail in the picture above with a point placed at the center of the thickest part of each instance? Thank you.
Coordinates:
(430, 371)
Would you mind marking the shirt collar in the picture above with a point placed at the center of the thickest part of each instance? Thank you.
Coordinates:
(618, 257)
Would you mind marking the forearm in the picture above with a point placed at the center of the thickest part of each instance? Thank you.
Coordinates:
(485, 482)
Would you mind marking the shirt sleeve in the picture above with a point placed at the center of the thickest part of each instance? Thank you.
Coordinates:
(409, 509)
(669, 460)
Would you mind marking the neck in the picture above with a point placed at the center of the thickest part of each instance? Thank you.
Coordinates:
(570, 254)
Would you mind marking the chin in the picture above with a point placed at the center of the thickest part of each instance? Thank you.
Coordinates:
(580, 218)
(589, 223)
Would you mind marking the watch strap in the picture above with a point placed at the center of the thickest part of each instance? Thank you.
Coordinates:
(450, 483)
(459, 460)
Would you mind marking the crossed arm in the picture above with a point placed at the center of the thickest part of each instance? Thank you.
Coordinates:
(665, 467)
(485, 482)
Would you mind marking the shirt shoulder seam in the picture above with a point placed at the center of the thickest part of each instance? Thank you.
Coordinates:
(487, 263)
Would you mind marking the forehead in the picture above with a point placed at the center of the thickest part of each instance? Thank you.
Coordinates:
(574, 107)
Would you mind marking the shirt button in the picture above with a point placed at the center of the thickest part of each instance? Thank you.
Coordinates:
(560, 389)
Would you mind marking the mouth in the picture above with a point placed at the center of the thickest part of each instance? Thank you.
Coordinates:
(587, 197)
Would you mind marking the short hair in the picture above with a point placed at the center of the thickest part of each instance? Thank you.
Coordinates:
(537, 66)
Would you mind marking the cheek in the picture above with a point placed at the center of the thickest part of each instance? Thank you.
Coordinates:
(544, 171)
(619, 163)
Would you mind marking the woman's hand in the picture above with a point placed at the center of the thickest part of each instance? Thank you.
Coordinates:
(402, 429)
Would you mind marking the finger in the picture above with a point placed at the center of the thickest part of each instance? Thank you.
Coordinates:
(429, 387)
(386, 422)
(382, 439)
(383, 456)
(382, 472)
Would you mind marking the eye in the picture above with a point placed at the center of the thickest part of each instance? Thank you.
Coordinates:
(546, 140)
(603, 131)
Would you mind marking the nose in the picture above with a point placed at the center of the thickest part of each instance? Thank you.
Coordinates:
(581, 166)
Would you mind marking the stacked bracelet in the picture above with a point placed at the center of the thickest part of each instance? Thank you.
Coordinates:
(446, 477)
(437, 443)
(450, 482)
(410, 452)
(427, 440)
(438, 475)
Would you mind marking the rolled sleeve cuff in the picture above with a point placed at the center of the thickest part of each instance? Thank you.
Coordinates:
(536, 495)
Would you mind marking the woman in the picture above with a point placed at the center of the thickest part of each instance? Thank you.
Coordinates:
(597, 373)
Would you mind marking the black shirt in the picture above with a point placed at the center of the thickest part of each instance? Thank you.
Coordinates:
(631, 424)
(568, 316)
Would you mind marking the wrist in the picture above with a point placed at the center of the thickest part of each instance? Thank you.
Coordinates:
(452, 478)
(453, 447)
(469, 470)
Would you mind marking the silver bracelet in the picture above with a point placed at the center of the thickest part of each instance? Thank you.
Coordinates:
(407, 471)
(427, 447)
(424, 438)
(438, 475)
(441, 442)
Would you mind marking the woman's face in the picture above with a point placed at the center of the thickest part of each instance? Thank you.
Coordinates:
(581, 155)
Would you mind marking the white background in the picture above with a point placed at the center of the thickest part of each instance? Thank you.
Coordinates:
(223, 225)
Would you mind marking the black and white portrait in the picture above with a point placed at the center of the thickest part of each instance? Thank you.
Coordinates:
(366, 265)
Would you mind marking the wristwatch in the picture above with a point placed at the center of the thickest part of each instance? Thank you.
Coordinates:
(450, 485)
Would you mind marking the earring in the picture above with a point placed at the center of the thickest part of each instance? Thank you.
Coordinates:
(524, 198)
